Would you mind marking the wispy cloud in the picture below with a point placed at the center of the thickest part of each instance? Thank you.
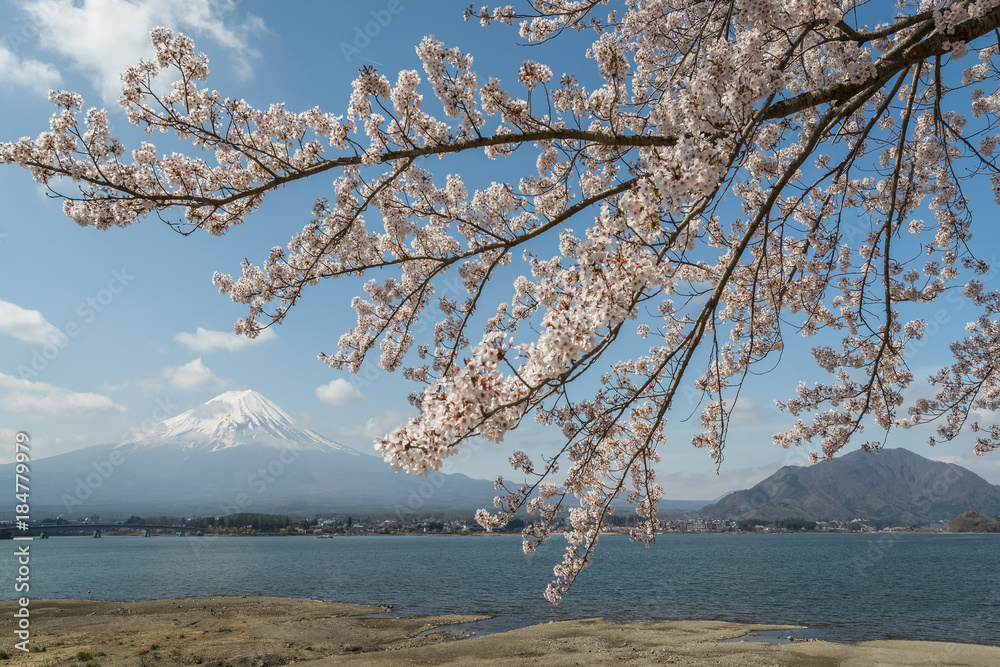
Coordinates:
(749, 412)
(194, 376)
(39, 442)
(987, 467)
(206, 340)
(339, 392)
(26, 73)
(27, 325)
(34, 399)
(103, 37)
(709, 485)
(378, 425)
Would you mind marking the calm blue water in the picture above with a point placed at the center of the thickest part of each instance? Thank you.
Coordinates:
(844, 587)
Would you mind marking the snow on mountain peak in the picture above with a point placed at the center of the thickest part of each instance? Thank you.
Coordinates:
(232, 419)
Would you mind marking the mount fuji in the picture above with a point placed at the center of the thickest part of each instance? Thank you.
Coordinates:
(238, 452)
(234, 419)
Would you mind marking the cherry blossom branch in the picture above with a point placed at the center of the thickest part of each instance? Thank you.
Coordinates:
(736, 171)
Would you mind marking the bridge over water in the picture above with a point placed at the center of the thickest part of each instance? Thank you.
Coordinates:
(95, 528)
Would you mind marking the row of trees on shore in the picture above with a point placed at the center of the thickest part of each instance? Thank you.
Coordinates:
(246, 523)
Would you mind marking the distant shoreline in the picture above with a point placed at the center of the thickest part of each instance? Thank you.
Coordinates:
(190, 534)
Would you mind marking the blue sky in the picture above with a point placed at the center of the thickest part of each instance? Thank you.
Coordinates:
(144, 333)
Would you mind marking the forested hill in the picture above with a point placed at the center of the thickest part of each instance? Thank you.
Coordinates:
(974, 522)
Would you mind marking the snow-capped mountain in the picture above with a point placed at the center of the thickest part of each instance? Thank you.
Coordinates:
(234, 419)
(238, 452)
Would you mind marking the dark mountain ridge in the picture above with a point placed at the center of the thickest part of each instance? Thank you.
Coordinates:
(893, 484)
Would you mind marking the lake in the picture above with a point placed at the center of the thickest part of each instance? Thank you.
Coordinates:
(843, 587)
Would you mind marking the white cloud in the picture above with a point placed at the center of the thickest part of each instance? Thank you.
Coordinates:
(748, 412)
(379, 425)
(339, 392)
(33, 74)
(103, 37)
(194, 376)
(27, 325)
(987, 467)
(983, 416)
(8, 446)
(205, 340)
(709, 485)
(40, 398)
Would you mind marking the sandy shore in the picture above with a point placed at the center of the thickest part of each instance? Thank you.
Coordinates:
(266, 632)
